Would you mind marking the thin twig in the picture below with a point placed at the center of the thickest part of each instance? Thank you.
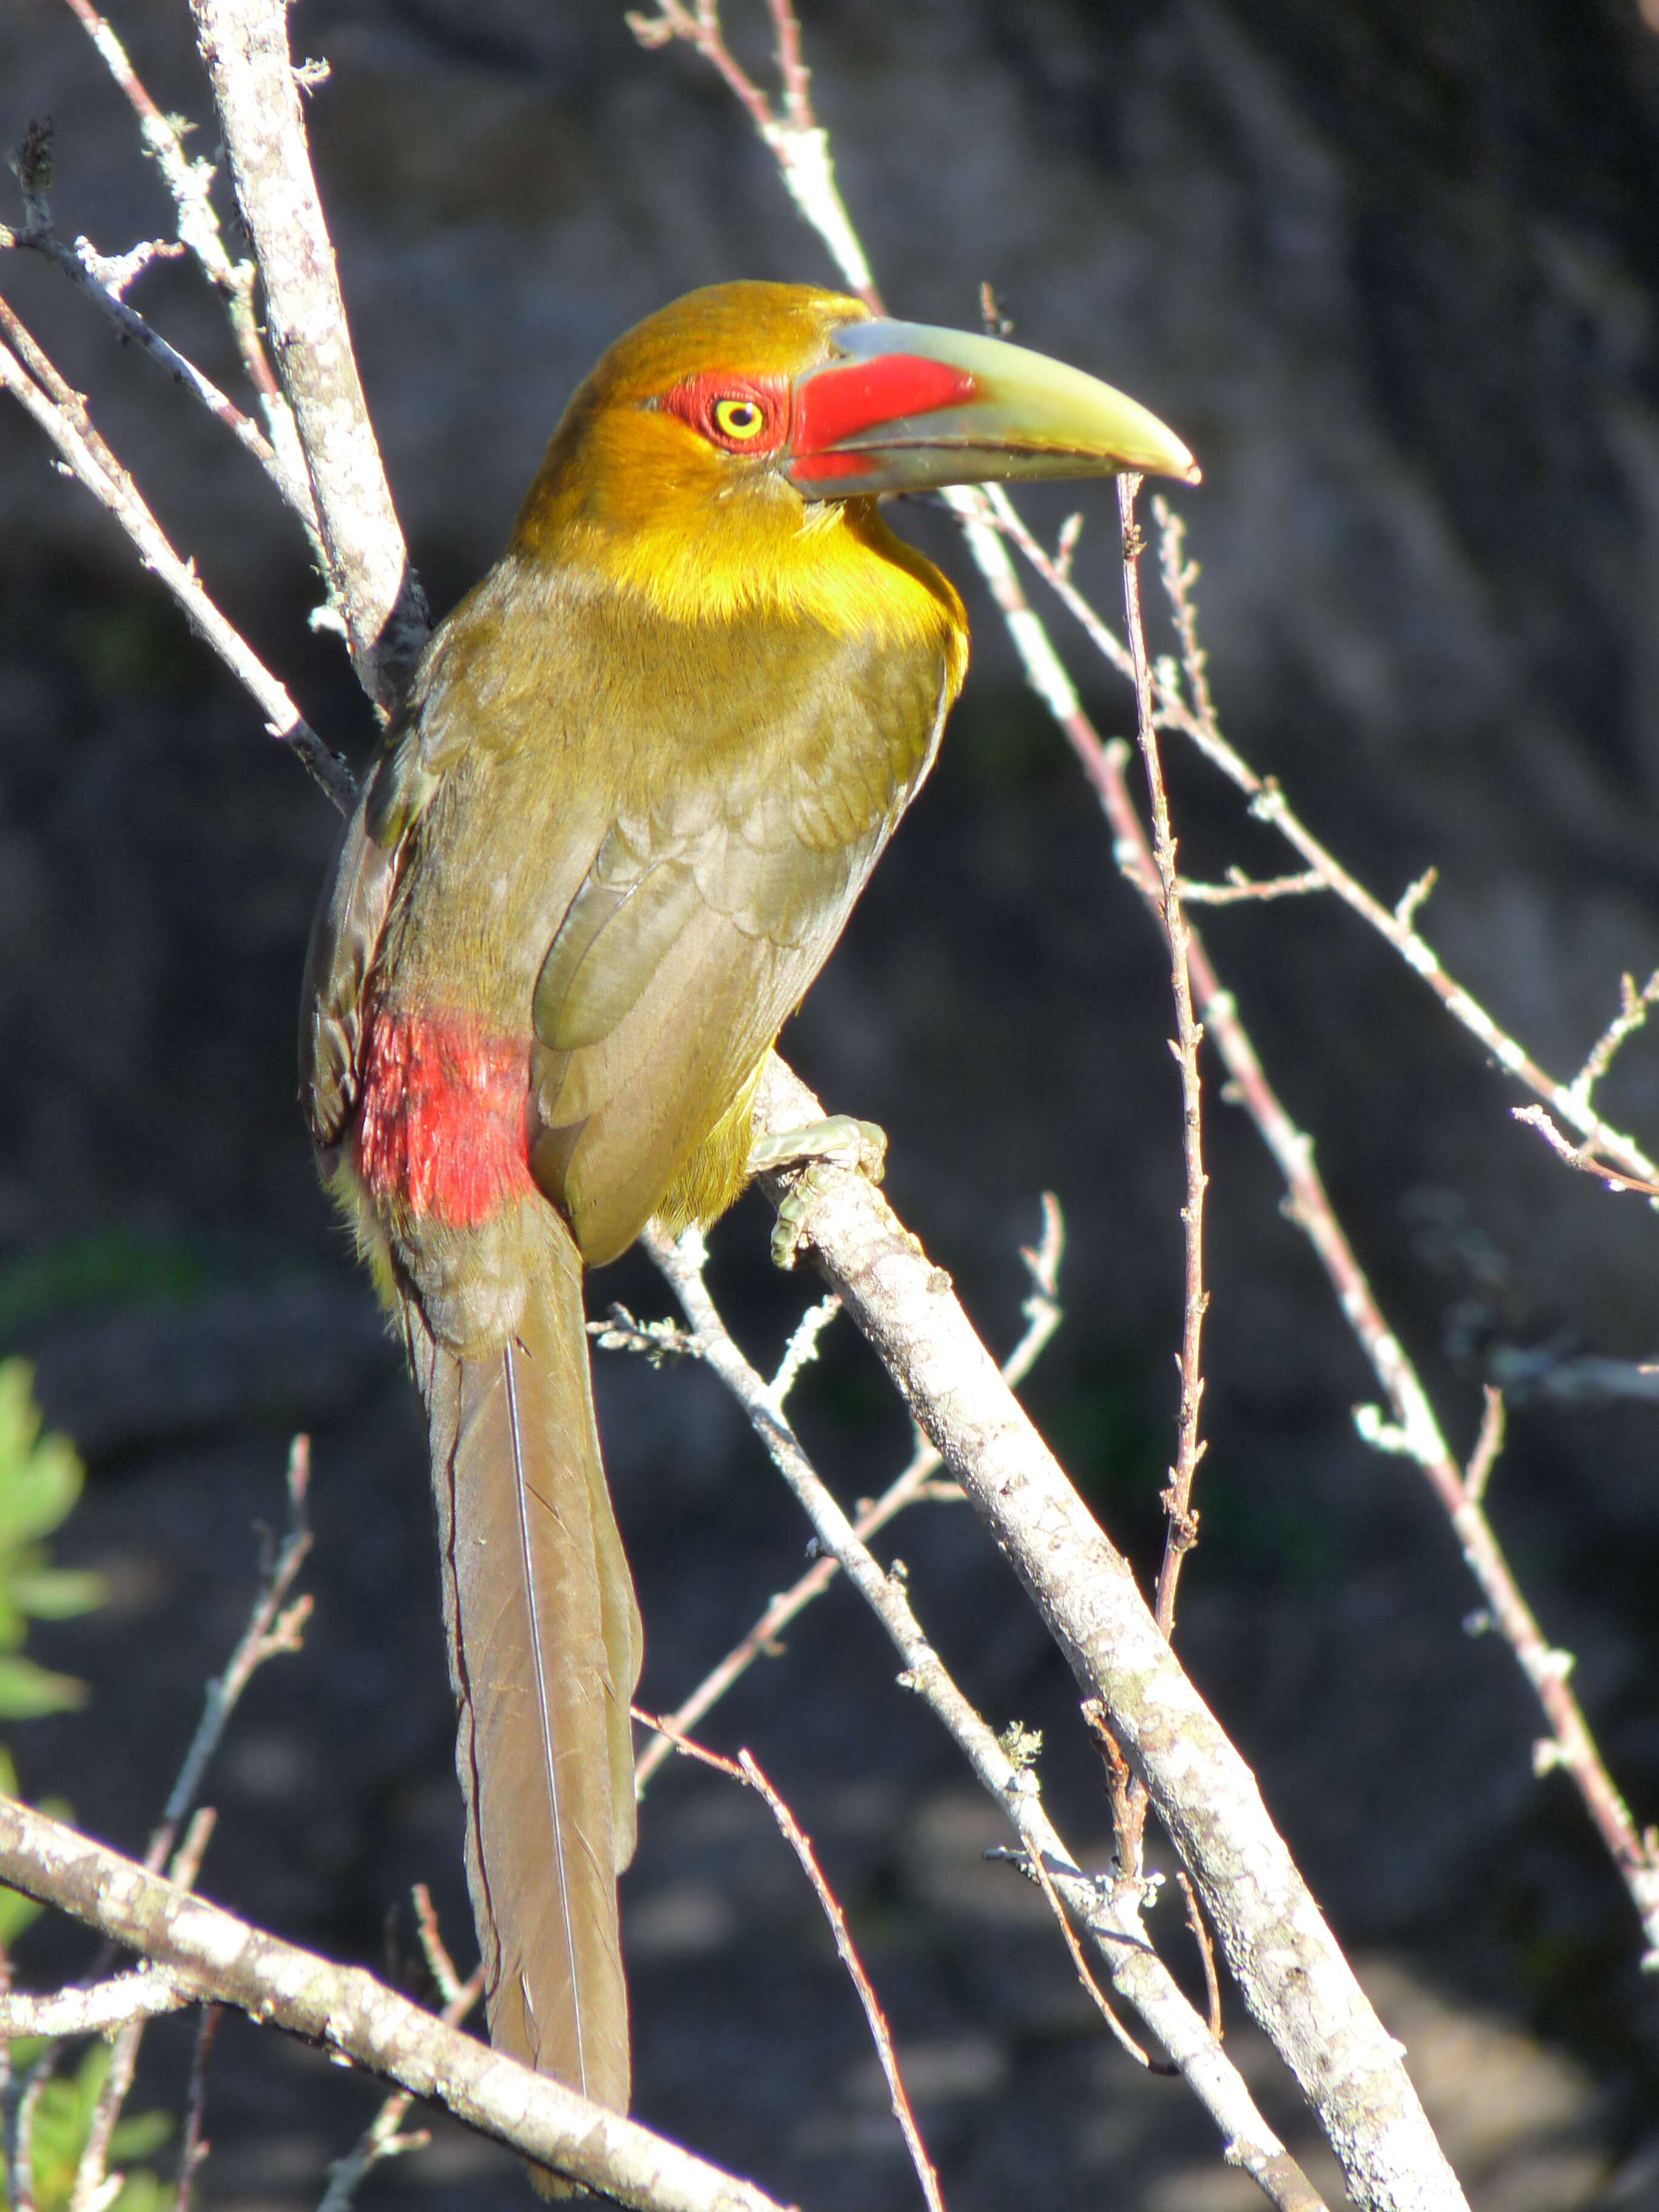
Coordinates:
(1583, 1157)
(19, 2134)
(1487, 1446)
(797, 141)
(435, 1951)
(1633, 1008)
(1183, 1523)
(274, 1625)
(61, 413)
(1240, 889)
(1414, 1430)
(105, 281)
(1042, 1317)
(1191, 711)
(383, 2139)
(194, 2148)
(1206, 1948)
(1181, 1531)
(745, 1769)
(1031, 1861)
(803, 1346)
(1193, 714)
(190, 185)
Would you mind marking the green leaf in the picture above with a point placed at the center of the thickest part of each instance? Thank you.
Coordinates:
(58, 1593)
(16, 1912)
(38, 1492)
(140, 2135)
(142, 2192)
(27, 1691)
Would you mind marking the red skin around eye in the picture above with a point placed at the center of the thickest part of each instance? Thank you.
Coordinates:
(694, 402)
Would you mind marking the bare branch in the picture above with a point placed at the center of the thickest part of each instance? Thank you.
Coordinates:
(383, 2137)
(1413, 1431)
(1042, 1317)
(879, 2033)
(796, 140)
(1192, 712)
(1294, 1978)
(745, 1769)
(1031, 1863)
(1110, 1910)
(1206, 1948)
(98, 2010)
(1183, 1521)
(1240, 888)
(274, 1626)
(105, 282)
(194, 2148)
(244, 44)
(434, 1949)
(1583, 1157)
(1634, 1007)
(61, 413)
(1487, 1446)
(221, 1960)
(803, 1346)
(19, 2134)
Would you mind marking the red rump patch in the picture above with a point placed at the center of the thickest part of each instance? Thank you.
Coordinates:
(441, 1126)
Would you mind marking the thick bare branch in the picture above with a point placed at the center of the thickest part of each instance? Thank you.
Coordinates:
(221, 1960)
(244, 44)
(1293, 1978)
(98, 2010)
(1110, 1910)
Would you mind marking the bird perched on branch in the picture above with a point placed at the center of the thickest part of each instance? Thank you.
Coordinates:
(644, 769)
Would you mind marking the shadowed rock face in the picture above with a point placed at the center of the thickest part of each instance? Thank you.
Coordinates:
(1394, 273)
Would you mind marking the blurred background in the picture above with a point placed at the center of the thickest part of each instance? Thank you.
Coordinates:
(1392, 270)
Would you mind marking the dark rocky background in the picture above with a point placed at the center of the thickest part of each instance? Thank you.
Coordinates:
(1393, 271)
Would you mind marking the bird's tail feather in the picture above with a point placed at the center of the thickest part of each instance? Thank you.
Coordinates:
(545, 1649)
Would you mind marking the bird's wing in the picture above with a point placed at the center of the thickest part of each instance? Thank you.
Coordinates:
(707, 911)
(350, 924)
(345, 935)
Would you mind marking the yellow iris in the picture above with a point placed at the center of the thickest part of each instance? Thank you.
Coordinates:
(739, 418)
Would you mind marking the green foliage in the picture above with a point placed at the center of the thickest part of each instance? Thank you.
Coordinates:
(110, 1267)
(63, 2118)
(41, 1479)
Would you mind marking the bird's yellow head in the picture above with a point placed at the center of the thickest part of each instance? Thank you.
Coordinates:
(726, 452)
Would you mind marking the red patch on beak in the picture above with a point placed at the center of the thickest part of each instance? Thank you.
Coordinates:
(840, 402)
(442, 1126)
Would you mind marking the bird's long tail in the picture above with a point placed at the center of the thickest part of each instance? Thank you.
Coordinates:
(545, 1649)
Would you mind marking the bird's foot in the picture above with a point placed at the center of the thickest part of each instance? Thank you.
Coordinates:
(841, 1142)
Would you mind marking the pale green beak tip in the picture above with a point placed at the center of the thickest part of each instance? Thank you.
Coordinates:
(908, 406)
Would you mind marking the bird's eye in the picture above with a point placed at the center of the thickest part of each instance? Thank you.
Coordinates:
(740, 420)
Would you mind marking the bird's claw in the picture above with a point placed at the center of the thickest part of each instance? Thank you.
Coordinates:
(841, 1141)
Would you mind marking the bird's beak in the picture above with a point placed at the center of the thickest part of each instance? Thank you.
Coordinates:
(904, 407)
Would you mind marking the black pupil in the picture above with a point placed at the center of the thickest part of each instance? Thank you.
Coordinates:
(740, 414)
